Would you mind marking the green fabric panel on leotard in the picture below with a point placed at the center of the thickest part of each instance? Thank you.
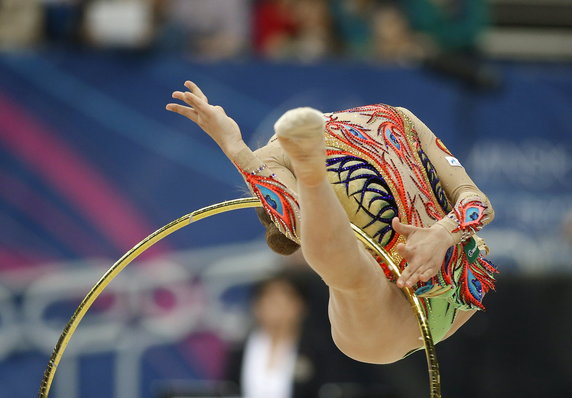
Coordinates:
(440, 317)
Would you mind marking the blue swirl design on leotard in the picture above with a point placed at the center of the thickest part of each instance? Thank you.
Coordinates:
(447, 263)
(472, 214)
(272, 199)
(351, 168)
(435, 182)
(475, 286)
(356, 133)
(391, 138)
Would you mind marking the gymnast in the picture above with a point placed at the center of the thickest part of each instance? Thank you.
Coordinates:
(380, 168)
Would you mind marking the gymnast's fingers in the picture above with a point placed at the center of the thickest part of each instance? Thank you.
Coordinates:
(426, 275)
(180, 96)
(188, 98)
(402, 229)
(197, 103)
(193, 88)
(406, 275)
(422, 274)
(403, 251)
(416, 273)
(412, 279)
(183, 110)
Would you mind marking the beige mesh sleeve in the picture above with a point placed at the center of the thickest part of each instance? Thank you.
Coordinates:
(471, 208)
(273, 156)
(269, 178)
(266, 161)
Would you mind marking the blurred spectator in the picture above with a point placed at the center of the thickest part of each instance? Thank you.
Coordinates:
(378, 30)
(353, 24)
(276, 361)
(454, 25)
(292, 29)
(455, 28)
(314, 39)
(62, 18)
(119, 23)
(214, 29)
(393, 39)
(20, 23)
(275, 27)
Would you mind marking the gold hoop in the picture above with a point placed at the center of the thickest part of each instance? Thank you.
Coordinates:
(119, 265)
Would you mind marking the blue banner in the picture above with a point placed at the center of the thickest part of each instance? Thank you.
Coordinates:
(91, 163)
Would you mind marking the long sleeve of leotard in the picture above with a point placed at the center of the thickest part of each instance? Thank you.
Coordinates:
(271, 180)
(472, 210)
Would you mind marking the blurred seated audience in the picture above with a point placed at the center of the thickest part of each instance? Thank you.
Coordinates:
(212, 30)
(20, 24)
(442, 34)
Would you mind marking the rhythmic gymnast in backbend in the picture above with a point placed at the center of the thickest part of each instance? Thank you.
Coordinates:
(382, 169)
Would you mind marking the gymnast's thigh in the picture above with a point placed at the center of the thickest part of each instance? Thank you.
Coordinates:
(373, 323)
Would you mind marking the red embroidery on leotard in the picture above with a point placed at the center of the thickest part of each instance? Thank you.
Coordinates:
(442, 146)
(277, 200)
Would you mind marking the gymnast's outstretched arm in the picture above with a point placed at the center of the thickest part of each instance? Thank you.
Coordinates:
(273, 183)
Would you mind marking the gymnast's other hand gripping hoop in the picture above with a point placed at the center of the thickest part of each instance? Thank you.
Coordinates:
(69, 330)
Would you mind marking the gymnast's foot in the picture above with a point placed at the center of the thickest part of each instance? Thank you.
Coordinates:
(300, 132)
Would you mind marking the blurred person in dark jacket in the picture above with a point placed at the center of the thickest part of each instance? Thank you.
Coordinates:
(62, 19)
(278, 358)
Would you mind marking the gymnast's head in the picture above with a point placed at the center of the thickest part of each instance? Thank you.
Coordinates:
(275, 239)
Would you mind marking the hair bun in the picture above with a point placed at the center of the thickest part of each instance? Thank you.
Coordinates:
(275, 239)
(278, 242)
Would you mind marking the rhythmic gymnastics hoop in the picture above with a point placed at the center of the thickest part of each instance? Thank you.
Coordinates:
(218, 208)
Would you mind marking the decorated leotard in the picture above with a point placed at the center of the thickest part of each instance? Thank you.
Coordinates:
(383, 162)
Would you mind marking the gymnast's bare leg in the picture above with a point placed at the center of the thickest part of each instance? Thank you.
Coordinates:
(371, 320)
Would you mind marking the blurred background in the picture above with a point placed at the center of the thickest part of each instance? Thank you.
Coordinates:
(91, 163)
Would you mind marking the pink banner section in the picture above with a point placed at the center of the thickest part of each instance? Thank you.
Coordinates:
(20, 259)
(73, 177)
(49, 217)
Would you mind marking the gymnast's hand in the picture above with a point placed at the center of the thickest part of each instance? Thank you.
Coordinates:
(212, 119)
(424, 251)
